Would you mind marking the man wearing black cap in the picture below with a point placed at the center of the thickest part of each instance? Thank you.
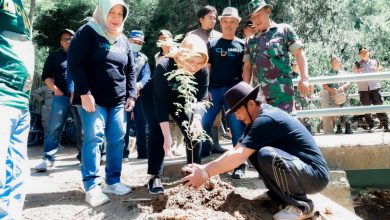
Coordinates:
(280, 148)
(369, 91)
(54, 76)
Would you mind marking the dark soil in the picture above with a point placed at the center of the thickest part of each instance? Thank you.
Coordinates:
(373, 205)
(222, 202)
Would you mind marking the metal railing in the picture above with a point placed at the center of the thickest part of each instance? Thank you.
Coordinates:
(358, 110)
(351, 77)
(350, 96)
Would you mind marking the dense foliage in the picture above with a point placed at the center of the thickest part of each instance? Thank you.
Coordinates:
(326, 27)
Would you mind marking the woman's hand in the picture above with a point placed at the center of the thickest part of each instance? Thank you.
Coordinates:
(167, 146)
(88, 102)
(196, 128)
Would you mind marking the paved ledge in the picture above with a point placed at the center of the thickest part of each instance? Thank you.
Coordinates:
(357, 151)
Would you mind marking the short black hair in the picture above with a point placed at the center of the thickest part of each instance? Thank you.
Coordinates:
(205, 10)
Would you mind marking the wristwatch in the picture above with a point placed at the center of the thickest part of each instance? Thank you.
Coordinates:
(205, 175)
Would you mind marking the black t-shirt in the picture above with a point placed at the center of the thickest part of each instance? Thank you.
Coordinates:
(275, 128)
(106, 70)
(165, 94)
(55, 67)
(225, 57)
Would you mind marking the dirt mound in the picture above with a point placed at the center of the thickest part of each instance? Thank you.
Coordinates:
(222, 202)
(373, 205)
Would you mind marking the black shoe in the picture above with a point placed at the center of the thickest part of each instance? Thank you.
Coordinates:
(239, 172)
(217, 149)
(141, 156)
(371, 128)
(348, 129)
(155, 186)
(215, 146)
(339, 131)
(308, 127)
(78, 157)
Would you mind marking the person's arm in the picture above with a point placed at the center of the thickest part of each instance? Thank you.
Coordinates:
(303, 85)
(228, 161)
(78, 53)
(167, 138)
(145, 75)
(161, 91)
(48, 74)
(70, 85)
(246, 75)
(345, 86)
(329, 89)
(202, 94)
(131, 81)
(295, 47)
(50, 83)
(247, 67)
(247, 72)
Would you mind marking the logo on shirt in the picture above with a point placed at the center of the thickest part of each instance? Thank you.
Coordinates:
(231, 52)
(112, 47)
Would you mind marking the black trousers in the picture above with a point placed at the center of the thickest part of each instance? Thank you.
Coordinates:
(373, 97)
(288, 178)
(155, 140)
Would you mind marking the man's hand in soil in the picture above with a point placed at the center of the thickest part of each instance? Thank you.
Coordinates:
(195, 179)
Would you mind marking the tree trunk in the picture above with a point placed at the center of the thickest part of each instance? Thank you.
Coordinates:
(32, 12)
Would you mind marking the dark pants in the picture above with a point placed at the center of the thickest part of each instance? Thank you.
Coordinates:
(288, 178)
(155, 140)
(140, 130)
(373, 97)
(79, 130)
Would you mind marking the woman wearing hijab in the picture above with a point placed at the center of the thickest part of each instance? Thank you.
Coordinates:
(101, 63)
(162, 97)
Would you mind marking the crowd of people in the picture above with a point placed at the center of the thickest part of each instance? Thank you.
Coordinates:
(103, 79)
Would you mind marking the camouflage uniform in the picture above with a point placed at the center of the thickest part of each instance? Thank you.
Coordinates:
(341, 119)
(268, 53)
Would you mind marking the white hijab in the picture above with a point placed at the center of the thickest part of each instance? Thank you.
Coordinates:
(99, 19)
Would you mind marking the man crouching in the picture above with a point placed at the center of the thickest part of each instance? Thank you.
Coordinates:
(281, 149)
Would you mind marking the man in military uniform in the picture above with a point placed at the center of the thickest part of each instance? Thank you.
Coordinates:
(267, 58)
(331, 91)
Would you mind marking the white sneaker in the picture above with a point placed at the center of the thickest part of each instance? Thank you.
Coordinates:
(292, 213)
(117, 189)
(95, 196)
(44, 166)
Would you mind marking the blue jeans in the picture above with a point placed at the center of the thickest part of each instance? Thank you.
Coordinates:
(140, 129)
(14, 129)
(109, 123)
(60, 109)
(218, 103)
